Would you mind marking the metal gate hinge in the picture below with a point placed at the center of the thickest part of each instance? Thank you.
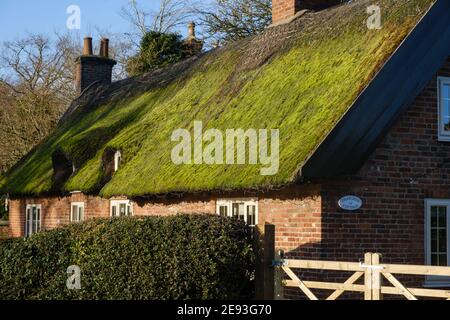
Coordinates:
(279, 263)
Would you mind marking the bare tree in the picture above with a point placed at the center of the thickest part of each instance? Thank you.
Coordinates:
(137, 17)
(121, 50)
(229, 20)
(38, 67)
(36, 86)
(170, 15)
(173, 14)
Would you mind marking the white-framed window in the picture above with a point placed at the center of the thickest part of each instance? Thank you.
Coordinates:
(244, 209)
(444, 108)
(77, 211)
(437, 240)
(121, 208)
(117, 160)
(33, 219)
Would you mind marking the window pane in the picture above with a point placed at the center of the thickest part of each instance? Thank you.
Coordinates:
(129, 210)
(80, 213)
(74, 213)
(114, 211)
(442, 219)
(442, 240)
(434, 259)
(27, 222)
(239, 210)
(438, 235)
(122, 209)
(446, 114)
(434, 215)
(445, 91)
(34, 215)
(251, 215)
(235, 209)
(445, 100)
(33, 220)
(442, 260)
(223, 211)
(434, 240)
(38, 222)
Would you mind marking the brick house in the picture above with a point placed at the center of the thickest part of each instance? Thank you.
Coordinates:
(362, 112)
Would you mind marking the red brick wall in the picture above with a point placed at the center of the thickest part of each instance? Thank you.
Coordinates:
(295, 210)
(55, 211)
(409, 165)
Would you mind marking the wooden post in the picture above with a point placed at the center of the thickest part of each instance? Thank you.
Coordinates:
(368, 276)
(376, 277)
(264, 245)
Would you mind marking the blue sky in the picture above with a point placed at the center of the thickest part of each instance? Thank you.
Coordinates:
(17, 17)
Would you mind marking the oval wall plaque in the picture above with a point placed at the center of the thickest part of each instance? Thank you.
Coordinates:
(350, 203)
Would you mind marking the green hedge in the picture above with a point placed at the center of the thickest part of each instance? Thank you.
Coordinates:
(179, 257)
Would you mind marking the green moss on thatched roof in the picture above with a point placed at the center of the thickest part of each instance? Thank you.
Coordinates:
(301, 85)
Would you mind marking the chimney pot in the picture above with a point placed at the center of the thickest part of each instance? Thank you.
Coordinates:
(87, 47)
(191, 31)
(104, 48)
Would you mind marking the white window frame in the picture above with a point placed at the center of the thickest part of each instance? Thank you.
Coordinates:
(117, 203)
(442, 134)
(117, 160)
(78, 205)
(29, 223)
(435, 281)
(228, 203)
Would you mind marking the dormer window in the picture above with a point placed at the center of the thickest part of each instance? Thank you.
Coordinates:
(117, 160)
(111, 163)
(63, 168)
(444, 108)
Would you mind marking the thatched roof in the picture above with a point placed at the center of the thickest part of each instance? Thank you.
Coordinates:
(300, 78)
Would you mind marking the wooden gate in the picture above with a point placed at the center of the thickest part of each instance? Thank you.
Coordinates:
(373, 272)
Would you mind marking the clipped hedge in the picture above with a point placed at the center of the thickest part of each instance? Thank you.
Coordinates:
(179, 257)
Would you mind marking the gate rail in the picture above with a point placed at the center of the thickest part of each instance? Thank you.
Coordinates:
(373, 272)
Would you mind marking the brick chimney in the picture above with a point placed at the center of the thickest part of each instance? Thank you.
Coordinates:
(92, 68)
(284, 10)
